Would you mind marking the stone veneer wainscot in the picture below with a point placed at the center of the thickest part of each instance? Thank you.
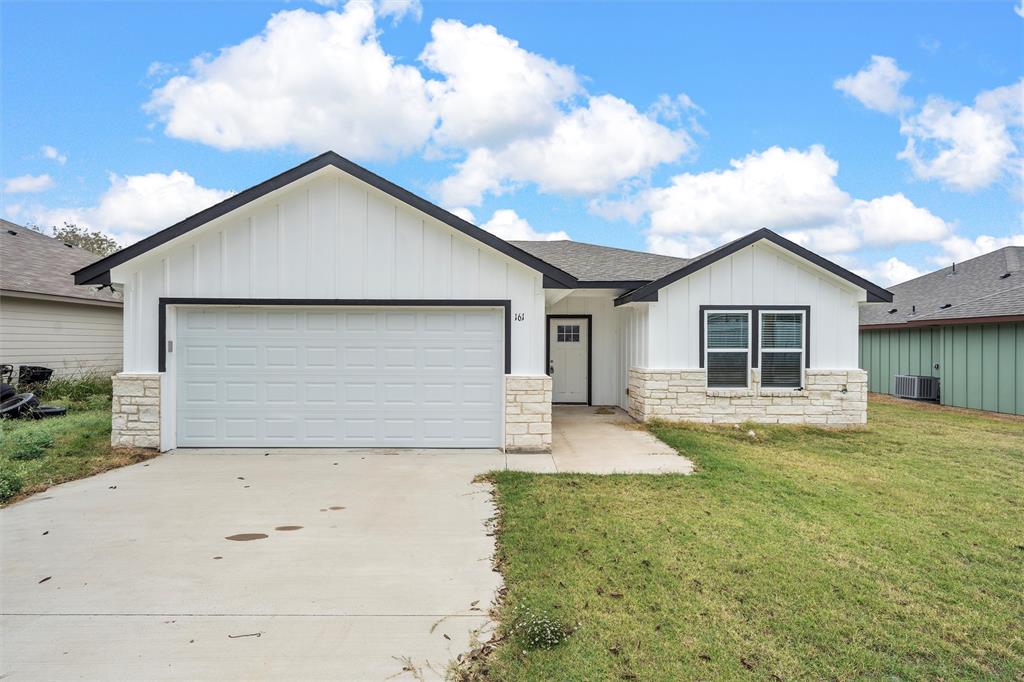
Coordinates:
(528, 414)
(831, 397)
(136, 411)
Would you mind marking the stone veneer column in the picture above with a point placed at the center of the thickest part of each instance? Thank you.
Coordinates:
(831, 397)
(135, 408)
(528, 414)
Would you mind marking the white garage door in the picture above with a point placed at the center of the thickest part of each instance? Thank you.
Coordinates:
(339, 377)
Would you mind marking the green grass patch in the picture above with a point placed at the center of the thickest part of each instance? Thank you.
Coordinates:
(895, 551)
(35, 454)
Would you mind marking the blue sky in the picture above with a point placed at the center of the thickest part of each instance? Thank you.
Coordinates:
(887, 136)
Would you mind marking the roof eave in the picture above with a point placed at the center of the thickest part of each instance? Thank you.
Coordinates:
(939, 321)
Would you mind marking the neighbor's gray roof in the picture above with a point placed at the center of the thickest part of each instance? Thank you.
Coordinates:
(594, 263)
(977, 288)
(33, 263)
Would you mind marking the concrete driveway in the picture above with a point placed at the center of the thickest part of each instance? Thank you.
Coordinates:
(374, 566)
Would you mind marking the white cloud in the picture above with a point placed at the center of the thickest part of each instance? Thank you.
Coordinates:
(494, 90)
(1019, 9)
(399, 9)
(464, 213)
(965, 148)
(832, 240)
(883, 221)
(892, 271)
(893, 219)
(508, 116)
(791, 191)
(929, 44)
(24, 184)
(590, 150)
(53, 154)
(687, 246)
(784, 188)
(134, 206)
(507, 224)
(957, 249)
(309, 80)
(877, 86)
(396, 9)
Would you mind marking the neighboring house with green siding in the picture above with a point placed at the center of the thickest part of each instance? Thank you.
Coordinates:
(963, 324)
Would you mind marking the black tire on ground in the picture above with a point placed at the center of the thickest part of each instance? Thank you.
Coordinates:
(12, 408)
(44, 411)
(6, 391)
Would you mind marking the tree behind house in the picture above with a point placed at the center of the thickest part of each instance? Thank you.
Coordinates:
(94, 241)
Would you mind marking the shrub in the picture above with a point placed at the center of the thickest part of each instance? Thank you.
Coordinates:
(27, 443)
(535, 629)
(10, 483)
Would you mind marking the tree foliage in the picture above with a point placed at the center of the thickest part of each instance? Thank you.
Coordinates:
(94, 241)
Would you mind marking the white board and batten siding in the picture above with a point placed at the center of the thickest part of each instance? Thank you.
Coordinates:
(758, 275)
(70, 338)
(328, 236)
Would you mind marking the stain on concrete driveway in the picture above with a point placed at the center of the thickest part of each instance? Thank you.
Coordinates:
(132, 593)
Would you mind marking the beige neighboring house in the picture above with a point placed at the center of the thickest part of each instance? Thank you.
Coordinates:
(44, 318)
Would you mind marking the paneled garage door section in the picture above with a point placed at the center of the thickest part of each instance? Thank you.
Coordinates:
(302, 377)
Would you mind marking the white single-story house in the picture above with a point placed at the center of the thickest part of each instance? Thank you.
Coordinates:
(330, 307)
(45, 320)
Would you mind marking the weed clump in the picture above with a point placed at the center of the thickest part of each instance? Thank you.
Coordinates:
(535, 629)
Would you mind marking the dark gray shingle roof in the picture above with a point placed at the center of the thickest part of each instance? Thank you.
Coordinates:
(33, 263)
(595, 263)
(977, 288)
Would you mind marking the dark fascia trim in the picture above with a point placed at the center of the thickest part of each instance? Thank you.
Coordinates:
(590, 350)
(628, 284)
(755, 329)
(994, 319)
(612, 284)
(875, 292)
(95, 272)
(339, 302)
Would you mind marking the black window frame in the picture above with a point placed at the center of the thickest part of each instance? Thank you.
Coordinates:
(802, 350)
(755, 331)
(567, 333)
(706, 350)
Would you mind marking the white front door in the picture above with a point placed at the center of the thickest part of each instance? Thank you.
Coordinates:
(340, 377)
(568, 343)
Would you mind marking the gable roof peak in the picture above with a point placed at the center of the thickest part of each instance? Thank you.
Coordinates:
(99, 272)
(648, 292)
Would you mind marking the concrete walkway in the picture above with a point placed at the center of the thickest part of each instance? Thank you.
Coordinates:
(601, 440)
(373, 566)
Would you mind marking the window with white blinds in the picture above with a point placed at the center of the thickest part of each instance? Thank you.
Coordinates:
(782, 348)
(727, 348)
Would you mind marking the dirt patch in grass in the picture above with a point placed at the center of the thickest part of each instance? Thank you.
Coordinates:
(891, 551)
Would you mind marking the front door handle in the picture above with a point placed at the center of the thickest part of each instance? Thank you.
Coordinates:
(551, 367)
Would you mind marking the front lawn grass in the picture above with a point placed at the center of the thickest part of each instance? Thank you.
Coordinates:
(35, 455)
(893, 552)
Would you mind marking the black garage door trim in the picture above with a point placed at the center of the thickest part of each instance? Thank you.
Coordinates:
(349, 302)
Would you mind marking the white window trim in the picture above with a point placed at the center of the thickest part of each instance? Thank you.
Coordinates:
(747, 350)
(761, 350)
